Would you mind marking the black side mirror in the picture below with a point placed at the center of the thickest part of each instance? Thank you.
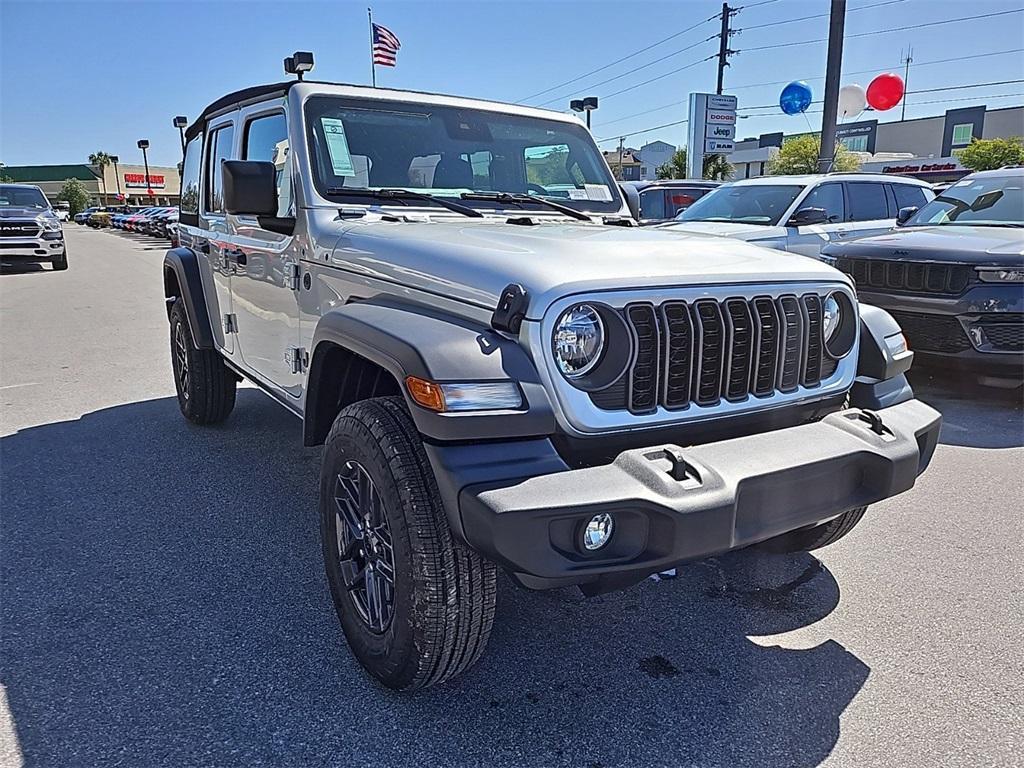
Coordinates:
(632, 199)
(250, 187)
(807, 216)
(904, 215)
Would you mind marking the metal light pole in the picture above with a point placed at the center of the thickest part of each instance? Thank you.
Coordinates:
(588, 105)
(144, 145)
(117, 177)
(181, 122)
(833, 70)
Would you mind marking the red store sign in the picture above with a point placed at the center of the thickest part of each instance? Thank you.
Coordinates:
(139, 180)
(920, 168)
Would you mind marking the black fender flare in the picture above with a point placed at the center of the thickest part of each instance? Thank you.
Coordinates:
(415, 341)
(881, 375)
(183, 264)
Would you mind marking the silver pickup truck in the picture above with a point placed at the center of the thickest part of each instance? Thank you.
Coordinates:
(504, 371)
(29, 229)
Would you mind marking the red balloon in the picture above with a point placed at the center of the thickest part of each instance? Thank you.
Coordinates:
(885, 91)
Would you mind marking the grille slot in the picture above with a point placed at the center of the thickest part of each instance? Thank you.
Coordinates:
(704, 351)
(740, 344)
(811, 306)
(675, 388)
(643, 382)
(710, 333)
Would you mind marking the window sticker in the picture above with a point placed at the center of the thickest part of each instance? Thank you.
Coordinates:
(577, 194)
(598, 192)
(337, 146)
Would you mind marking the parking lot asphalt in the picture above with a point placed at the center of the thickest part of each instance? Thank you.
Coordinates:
(163, 601)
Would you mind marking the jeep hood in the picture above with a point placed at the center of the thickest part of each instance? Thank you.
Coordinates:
(474, 261)
(726, 229)
(988, 246)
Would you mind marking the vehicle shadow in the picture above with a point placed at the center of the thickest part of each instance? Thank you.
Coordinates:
(973, 416)
(164, 604)
(21, 268)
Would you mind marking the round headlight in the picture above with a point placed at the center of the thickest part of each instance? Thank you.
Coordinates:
(579, 339)
(831, 316)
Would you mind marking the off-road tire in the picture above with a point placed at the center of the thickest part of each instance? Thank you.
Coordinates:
(59, 263)
(807, 539)
(207, 394)
(444, 592)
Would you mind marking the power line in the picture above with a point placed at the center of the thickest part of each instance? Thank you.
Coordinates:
(660, 77)
(911, 93)
(815, 16)
(882, 31)
(619, 61)
(636, 69)
(783, 82)
(915, 104)
(645, 130)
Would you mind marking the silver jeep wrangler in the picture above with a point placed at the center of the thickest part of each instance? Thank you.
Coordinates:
(504, 371)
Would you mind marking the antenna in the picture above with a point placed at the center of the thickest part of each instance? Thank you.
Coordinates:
(906, 78)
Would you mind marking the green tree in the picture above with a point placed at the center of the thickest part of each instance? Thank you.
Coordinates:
(5, 179)
(75, 194)
(101, 160)
(988, 154)
(715, 167)
(800, 155)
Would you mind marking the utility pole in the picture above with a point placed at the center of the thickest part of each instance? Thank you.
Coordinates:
(723, 44)
(833, 67)
(621, 139)
(906, 79)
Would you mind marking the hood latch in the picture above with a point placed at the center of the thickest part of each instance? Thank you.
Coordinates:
(511, 310)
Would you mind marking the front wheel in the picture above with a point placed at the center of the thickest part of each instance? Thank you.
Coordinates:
(59, 263)
(815, 537)
(416, 605)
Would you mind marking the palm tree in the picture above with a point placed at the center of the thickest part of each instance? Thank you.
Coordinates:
(101, 160)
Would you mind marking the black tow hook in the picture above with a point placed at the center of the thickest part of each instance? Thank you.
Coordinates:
(875, 423)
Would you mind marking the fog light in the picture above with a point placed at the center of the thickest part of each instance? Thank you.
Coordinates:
(598, 531)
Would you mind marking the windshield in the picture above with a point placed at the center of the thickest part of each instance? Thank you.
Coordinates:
(360, 144)
(990, 200)
(22, 197)
(745, 204)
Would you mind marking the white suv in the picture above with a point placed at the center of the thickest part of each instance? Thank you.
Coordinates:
(802, 214)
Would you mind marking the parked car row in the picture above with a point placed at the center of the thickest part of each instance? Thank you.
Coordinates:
(157, 221)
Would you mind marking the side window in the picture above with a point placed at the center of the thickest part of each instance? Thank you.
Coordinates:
(908, 196)
(867, 201)
(190, 175)
(652, 204)
(829, 197)
(219, 148)
(266, 138)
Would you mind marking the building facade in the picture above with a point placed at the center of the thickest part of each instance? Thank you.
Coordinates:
(923, 147)
(124, 185)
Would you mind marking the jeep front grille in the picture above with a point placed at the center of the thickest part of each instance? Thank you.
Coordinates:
(906, 276)
(704, 351)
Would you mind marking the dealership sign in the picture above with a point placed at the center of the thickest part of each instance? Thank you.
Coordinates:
(138, 180)
(711, 129)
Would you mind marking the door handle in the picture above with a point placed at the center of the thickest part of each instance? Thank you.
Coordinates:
(236, 255)
(205, 247)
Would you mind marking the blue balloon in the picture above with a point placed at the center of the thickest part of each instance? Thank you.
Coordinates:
(795, 97)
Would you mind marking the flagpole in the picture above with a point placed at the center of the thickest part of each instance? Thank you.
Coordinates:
(373, 67)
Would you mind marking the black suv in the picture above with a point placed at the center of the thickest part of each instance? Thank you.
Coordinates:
(952, 274)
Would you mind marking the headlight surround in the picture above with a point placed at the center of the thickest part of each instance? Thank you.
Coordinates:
(578, 340)
(49, 223)
(839, 324)
(1001, 274)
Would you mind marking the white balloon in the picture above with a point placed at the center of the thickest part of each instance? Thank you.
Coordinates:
(852, 101)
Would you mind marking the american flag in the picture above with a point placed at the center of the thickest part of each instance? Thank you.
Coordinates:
(385, 46)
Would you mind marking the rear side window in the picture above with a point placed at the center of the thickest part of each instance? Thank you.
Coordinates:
(908, 196)
(190, 176)
(219, 150)
(266, 138)
(867, 201)
(652, 204)
(829, 197)
(681, 198)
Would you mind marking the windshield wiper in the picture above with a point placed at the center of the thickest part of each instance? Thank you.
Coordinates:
(521, 200)
(402, 195)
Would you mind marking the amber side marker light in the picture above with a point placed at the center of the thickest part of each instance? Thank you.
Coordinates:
(425, 393)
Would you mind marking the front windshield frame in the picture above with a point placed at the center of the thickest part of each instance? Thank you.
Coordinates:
(43, 204)
(696, 212)
(479, 124)
(936, 212)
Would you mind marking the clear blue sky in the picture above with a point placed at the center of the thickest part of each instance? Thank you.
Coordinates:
(100, 75)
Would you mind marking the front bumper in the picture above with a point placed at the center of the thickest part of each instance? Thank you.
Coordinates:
(672, 504)
(981, 330)
(36, 248)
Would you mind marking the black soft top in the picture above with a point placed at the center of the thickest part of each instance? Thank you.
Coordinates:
(255, 93)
